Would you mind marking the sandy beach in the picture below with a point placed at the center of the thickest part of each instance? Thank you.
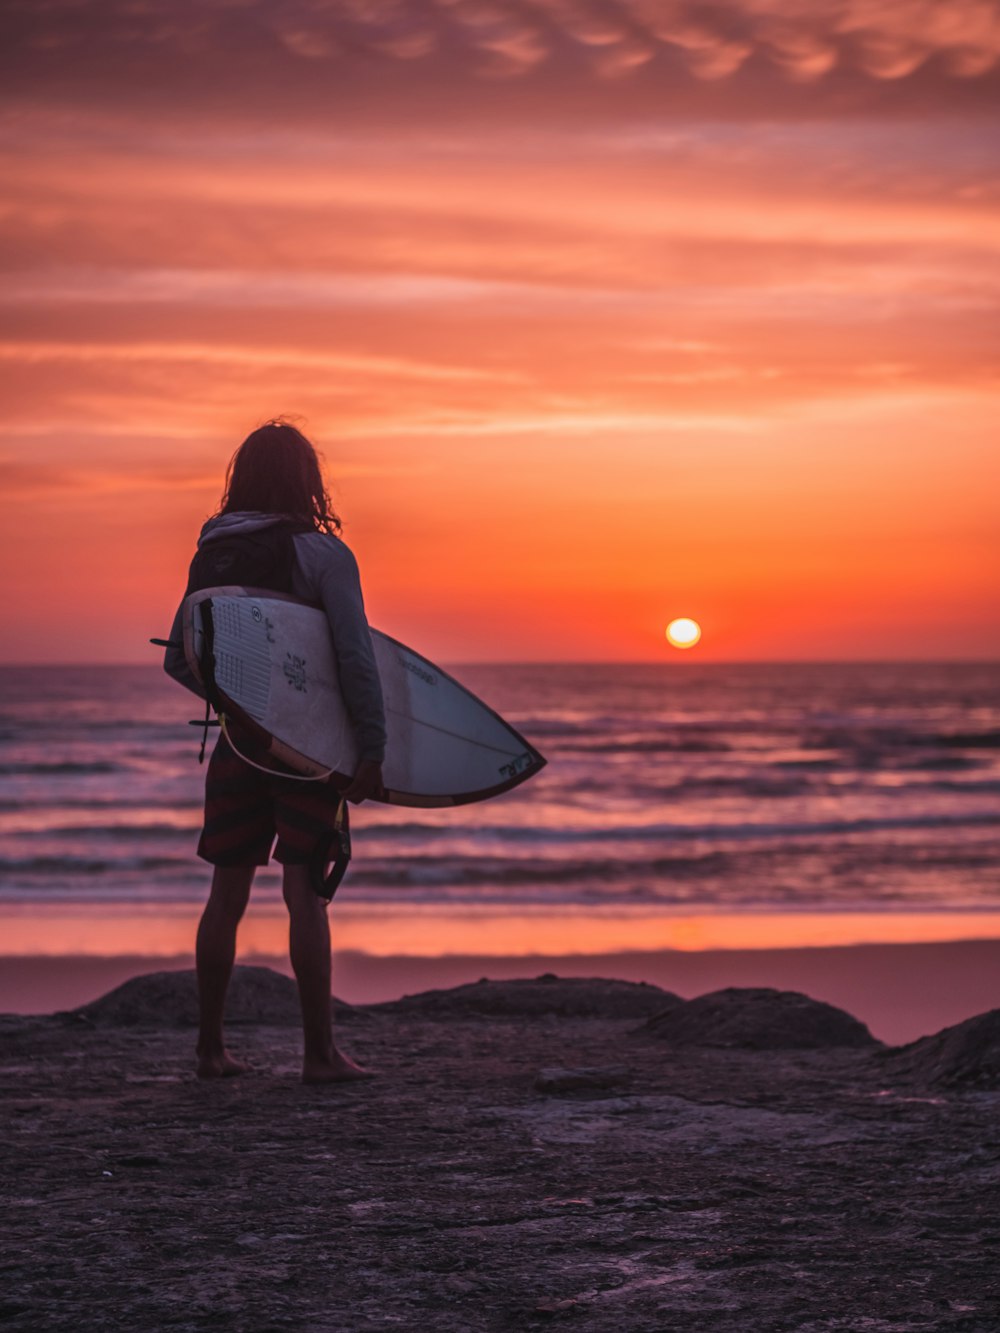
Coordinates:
(536, 1153)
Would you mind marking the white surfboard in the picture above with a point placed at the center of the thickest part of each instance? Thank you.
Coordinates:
(269, 661)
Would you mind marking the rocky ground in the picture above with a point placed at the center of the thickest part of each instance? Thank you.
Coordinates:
(539, 1154)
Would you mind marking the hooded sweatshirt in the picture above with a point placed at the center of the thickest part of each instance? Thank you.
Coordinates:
(326, 573)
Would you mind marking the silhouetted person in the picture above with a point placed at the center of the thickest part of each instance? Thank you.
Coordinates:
(275, 494)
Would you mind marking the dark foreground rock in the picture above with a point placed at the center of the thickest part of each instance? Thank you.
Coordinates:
(759, 1019)
(519, 1174)
(170, 999)
(565, 997)
(964, 1056)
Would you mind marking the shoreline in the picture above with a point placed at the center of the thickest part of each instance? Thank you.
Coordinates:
(902, 991)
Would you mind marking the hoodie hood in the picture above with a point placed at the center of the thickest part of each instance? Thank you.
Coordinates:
(227, 525)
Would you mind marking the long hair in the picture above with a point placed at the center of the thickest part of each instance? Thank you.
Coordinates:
(276, 471)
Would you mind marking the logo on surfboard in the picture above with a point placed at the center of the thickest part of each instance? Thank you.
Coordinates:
(295, 671)
(516, 765)
(408, 665)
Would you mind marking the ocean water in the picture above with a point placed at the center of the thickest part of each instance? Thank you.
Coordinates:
(676, 788)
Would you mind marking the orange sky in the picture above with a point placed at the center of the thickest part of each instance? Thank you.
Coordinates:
(602, 313)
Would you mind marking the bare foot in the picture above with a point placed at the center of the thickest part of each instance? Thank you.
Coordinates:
(339, 1068)
(220, 1065)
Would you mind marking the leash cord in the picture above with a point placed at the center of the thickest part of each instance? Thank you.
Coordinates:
(295, 777)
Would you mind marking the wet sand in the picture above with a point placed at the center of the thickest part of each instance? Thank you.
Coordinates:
(540, 1154)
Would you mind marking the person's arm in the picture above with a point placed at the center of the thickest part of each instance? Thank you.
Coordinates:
(331, 569)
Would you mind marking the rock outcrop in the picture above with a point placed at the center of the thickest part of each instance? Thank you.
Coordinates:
(501, 1173)
(567, 997)
(964, 1056)
(170, 1000)
(759, 1020)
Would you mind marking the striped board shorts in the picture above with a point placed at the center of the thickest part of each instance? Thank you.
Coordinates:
(246, 809)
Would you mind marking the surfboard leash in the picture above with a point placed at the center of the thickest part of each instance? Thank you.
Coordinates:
(335, 853)
(295, 777)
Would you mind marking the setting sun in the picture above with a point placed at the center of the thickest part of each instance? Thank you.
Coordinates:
(683, 633)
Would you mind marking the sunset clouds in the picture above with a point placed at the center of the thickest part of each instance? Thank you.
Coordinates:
(805, 41)
(601, 312)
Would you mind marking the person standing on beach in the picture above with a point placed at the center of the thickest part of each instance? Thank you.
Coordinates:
(275, 495)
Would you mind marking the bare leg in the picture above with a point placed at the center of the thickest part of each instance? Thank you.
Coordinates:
(215, 953)
(309, 948)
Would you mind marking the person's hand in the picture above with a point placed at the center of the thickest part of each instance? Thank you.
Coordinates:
(367, 782)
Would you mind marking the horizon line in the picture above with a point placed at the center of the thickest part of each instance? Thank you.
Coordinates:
(685, 661)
